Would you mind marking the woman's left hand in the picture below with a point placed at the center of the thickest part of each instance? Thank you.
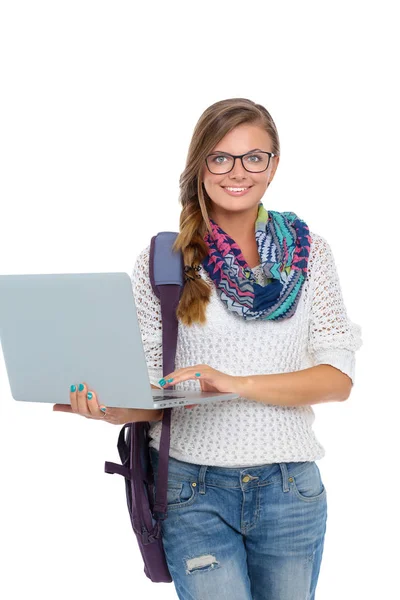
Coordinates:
(210, 379)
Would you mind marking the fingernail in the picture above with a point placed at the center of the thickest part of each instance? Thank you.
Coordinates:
(81, 387)
(103, 408)
(169, 380)
(162, 382)
(90, 395)
(73, 388)
(197, 374)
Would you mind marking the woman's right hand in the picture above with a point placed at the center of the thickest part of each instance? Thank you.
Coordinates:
(90, 408)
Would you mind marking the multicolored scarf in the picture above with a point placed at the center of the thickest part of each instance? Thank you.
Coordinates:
(283, 242)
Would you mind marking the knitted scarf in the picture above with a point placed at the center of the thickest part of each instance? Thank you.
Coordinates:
(283, 242)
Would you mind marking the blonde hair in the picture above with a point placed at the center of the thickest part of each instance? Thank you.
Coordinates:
(215, 122)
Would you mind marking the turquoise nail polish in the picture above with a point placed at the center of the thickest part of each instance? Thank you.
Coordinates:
(81, 387)
(197, 374)
(73, 388)
(103, 409)
(169, 380)
(162, 382)
(90, 395)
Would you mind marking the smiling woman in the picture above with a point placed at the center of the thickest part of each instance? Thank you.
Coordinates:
(262, 317)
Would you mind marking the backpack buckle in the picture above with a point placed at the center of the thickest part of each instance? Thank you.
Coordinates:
(159, 515)
(149, 538)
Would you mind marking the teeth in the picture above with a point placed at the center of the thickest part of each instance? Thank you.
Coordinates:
(236, 189)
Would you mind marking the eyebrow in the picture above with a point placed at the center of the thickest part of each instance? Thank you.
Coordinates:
(252, 150)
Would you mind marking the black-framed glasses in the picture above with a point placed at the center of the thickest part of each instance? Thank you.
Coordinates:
(220, 163)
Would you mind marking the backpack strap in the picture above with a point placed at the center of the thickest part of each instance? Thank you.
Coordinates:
(166, 276)
(123, 451)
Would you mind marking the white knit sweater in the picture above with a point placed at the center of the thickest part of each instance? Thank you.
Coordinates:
(243, 432)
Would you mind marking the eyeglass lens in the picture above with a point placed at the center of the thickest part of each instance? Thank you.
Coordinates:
(222, 163)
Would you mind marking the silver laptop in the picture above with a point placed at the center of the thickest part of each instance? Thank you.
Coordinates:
(63, 329)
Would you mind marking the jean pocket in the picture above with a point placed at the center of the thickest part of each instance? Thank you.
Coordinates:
(307, 484)
(181, 494)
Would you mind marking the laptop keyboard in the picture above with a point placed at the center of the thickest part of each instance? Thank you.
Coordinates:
(169, 400)
(169, 404)
(166, 397)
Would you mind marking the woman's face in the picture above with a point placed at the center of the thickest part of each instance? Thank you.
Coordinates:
(240, 140)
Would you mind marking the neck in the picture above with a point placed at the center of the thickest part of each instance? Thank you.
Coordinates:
(240, 226)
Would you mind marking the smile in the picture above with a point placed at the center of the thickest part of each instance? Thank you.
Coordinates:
(236, 191)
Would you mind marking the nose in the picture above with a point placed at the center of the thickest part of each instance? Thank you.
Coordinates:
(238, 169)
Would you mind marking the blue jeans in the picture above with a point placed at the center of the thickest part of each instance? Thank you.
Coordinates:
(249, 533)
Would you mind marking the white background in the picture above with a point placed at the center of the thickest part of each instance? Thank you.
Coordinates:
(90, 88)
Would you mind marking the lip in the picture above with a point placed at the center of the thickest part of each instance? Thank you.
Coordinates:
(237, 193)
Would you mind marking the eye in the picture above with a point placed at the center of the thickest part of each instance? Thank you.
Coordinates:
(256, 156)
(219, 162)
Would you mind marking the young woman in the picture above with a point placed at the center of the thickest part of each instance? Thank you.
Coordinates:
(262, 315)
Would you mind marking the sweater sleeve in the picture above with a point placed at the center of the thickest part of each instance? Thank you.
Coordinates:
(148, 308)
(333, 337)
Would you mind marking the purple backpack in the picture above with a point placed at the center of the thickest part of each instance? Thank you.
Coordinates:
(166, 276)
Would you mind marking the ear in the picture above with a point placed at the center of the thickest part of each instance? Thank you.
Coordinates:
(276, 163)
(273, 170)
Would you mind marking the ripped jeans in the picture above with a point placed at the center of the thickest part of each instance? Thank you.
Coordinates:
(248, 533)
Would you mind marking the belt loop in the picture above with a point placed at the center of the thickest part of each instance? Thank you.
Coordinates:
(202, 479)
(285, 483)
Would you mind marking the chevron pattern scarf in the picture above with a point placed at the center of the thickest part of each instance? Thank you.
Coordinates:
(283, 242)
